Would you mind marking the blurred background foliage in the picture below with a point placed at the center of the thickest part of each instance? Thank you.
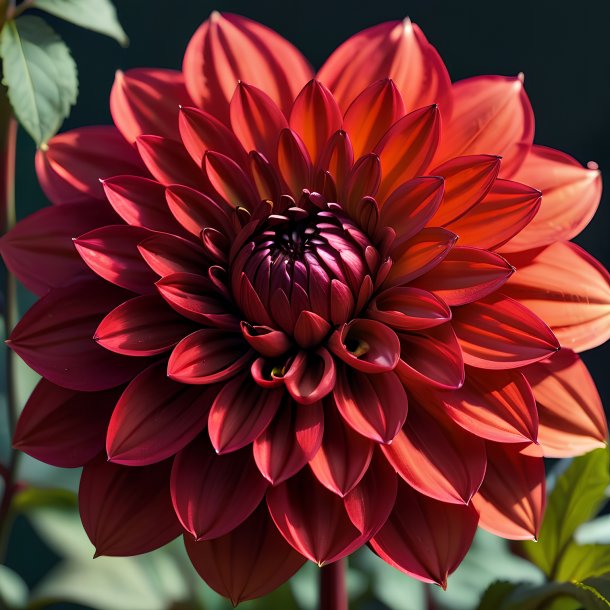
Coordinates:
(562, 49)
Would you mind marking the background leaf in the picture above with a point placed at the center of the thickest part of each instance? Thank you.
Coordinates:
(13, 591)
(40, 75)
(97, 15)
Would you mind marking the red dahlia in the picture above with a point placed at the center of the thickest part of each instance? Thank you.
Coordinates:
(301, 314)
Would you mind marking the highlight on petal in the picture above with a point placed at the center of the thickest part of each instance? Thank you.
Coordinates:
(213, 494)
(249, 562)
(62, 427)
(396, 50)
(491, 114)
(425, 538)
(572, 419)
(156, 417)
(568, 289)
(498, 332)
(127, 511)
(228, 48)
(512, 498)
(570, 196)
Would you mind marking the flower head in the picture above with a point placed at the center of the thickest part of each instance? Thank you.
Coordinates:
(300, 314)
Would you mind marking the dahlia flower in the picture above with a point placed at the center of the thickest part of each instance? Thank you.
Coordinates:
(287, 314)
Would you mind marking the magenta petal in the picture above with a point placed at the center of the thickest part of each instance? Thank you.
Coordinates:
(213, 494)
(311, 376)
(156, 417)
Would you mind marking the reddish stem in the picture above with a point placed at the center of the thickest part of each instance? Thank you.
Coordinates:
(333, 595)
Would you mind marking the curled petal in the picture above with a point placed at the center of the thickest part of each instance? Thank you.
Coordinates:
(498, 332)
(166, 254)
(425, 538)
(63, 427)
(156, 417)
(375, 406)
(512, 498)
(249, 562)
(568, 289)
(572, 419)
(267, 373)
(127, 511)
(311, 376)
(266, 340)
(71, 167)
(146, 101)
(241, 413)
(213, 494)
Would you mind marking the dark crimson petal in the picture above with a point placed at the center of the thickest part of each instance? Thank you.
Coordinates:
(207, 356)
(142, 326)
(310, 329)
(213, 494)
(156, 417)
(265, 177)
(408, 308)
(166, 254)
(40, 250)
(146, 101)
(437, 457)
(512, 498)
(63, 427)
(311, 376)
(55, 338)
(425, 538)
(196, 298)
(366, 345)
(466, 275)
(496, 405)
(266, 340)
(373, 405)
(433, 356)
(312, 519)
(112, 252)
(344, 456)
(127, 511)
(290, 441)
(498, 332)
(140, 202)
(230, 181)
(249, 562)
(467, 180)
(241, 413)
(74, 162)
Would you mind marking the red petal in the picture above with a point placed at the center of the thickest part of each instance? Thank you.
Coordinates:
(207, 356)
(290, 441)
(437, 457)
(230, 181)
(568, 289)
(312, 519)
(374, 405)
(310, 329)
(337, 158)
(512, 498)
(294, 162)
(466, 275)
(228, 48)
(146, 101)
(56, 428)
(572, 419)
(213, 494)
(40, 250)
(70, 168)
(491, 114)
(311, 376)
(266, 340)
(506, 209)
(112, 252)
(241, 413)
(249, 562)
(127, 511)
(55, 338)
(363, 181)
(498, 332)
(156, 417)
(396, 50)
(570, 196)
(344, 456)
(424, 538)
(166, 254)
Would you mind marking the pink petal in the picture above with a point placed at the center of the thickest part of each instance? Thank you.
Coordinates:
(310, 376)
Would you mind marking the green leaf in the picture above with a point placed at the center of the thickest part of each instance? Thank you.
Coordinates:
(40, 75)
(33, 497)
(577, 496)
(13, 591)
(496, 594)
(96, 15)
(583, 561)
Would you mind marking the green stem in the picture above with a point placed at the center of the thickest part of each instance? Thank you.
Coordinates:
(333, 594)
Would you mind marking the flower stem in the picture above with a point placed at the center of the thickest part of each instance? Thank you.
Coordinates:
(333, 595)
